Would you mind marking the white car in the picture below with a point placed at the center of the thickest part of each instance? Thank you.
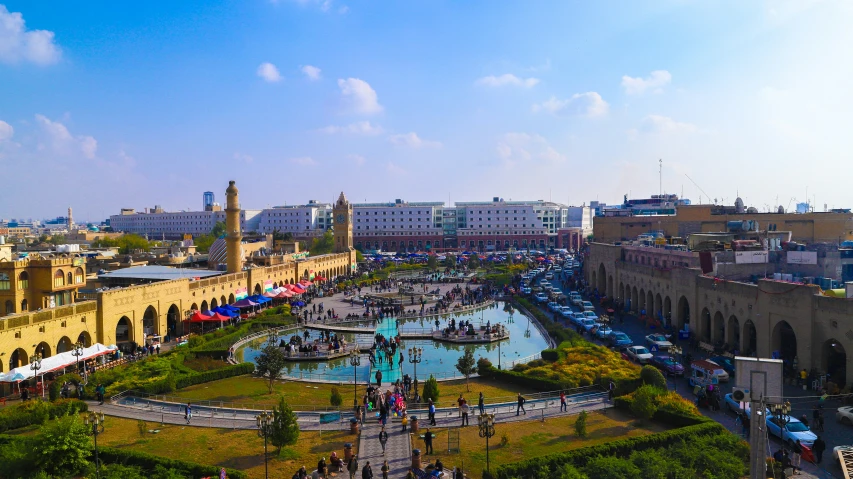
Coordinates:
(549, 276)
(577, 318)
(576, 299)
(553, 305)
(566, 312)
(526, 290)
(844, 415)
(639, 354)
(603, 331)
(659, 340)
(587, 306)
(588, 324)
(590, 315)
(793, 430)
(541, 297)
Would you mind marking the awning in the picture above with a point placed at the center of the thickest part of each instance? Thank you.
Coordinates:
(245, 303)
(54, 363)
(270, 294)
(226, 312)
(286, 294)
(259, 299)
(319, 278)
(199, 317)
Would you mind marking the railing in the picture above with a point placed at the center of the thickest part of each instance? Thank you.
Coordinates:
(139, 398)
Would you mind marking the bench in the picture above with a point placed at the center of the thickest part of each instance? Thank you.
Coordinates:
(709, 348)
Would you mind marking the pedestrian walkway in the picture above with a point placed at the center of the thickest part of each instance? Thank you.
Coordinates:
(398, 449)
(388, 328)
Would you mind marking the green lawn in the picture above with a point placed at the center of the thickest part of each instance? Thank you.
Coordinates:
(251, 392)
(530, 439)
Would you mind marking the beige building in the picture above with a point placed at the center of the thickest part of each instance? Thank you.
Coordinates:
(757, 318)
(127, 316)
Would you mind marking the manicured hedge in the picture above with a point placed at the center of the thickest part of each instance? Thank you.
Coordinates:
(171, 382)
(671, 418)
(550, 354)
(623, 447)
(37, 412)
(148, 462)
(522, 379)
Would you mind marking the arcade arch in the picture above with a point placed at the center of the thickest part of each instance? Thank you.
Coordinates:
(683, 312)
(834, 361)
(64, 345)
(733, 333)
(719, 328)
(84, 339)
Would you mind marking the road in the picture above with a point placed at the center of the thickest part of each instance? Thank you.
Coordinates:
(835, 433)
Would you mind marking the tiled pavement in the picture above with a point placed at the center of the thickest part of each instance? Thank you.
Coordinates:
(398, 451)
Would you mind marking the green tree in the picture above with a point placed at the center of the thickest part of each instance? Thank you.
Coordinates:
(336, 399)
(611, 467)
(284, 430)
(359, 258)
(644, 406)
(270, 362)
(57, 239)
(473, 261)
(322, 245)
(431, 389)
(218, 230)
(450, 261)
(432, 262)
(580, 424)
(653, 377)
(63, 447)
(467, 366)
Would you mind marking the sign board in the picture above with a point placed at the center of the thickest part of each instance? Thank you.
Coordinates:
(241, 293)
(761, 376)
(802, 257)
(748, 257)
(653, 348)
(78, 262)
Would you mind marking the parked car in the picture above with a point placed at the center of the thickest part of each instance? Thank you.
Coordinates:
(553, 305)
(603, 331)
(588, 324)
(587, 306)
(541, 297)
(590, 315)
(549, 275)
(659, 340)
(668, 365)
(618, 338)
(726, 363)
(639, 354)
(577, 318)
(566, 312)
(735, 406)
(792, 431)
(844, 415)
(577, 300)
(526, 290)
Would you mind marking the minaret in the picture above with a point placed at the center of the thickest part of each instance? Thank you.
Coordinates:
(70, 220)
(232, 228)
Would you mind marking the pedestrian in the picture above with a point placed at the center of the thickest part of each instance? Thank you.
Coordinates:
(366, 471)
(465, 410)
(563, 405)
(321, 467)
(520, 406)
(404, 420)
(352, 466)
(383, 438)
(188, 412)
(459, 402)
(481, 403)
(379, 375)
(428, 435)
(385, 469)
(100, 391)
(818, 447)
(610, 389)
(797, 454)
(431, 413)
(458, 474)
(820, 420)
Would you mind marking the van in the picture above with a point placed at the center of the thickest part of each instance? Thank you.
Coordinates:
(704, 372)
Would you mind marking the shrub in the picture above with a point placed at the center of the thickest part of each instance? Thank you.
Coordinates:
(336, 399)
(53, 391)
(150, 462)
(431, 389)
(505, 439)
(550, 354)
(652, 376)
(483, 366)
(63, 447)
(38, 412)
(644, 406)
(141, 427)
(283, 430)
(611, 467)
(580, 424)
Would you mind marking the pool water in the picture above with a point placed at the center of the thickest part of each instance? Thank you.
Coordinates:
(439, 358)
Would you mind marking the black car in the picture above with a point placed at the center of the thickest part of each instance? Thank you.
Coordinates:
(668, 365)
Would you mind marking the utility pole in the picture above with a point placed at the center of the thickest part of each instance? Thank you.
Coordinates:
(660, 177)
(757, 440)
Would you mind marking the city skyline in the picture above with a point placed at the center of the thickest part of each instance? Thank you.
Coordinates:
(562, 102)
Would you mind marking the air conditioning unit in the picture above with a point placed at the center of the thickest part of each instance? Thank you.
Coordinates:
(740, 394)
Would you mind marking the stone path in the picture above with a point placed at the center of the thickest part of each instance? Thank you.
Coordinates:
(388, 328)
(398, 451)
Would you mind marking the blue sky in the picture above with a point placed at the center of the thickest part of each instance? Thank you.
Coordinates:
(104, 106)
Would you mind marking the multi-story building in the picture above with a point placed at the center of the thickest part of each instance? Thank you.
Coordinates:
(398, 226)
(302, 221)
(43, 283)
(175, 224)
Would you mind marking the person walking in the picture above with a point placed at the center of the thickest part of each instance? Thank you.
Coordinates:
(428, 435)
(383, 438)
(797, 453)
(367, 471)
(188, 412)
(431, 413)
(465, 410)
(385, 469)
(520, 406)
(563, 405)
(352, 467)
(610, 390)
(481, 403)
(818, 447)
(379, 376)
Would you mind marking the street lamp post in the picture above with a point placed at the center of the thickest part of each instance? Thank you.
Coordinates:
(486, 426)
(782, 414)
(77, 352)
(414, 358)
(35, 365)
(264, 425)
(96, 421)
(273, 337)
(355, 362)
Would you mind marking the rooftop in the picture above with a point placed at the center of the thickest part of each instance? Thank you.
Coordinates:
(158, 273)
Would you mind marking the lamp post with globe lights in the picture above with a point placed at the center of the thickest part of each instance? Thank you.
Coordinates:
(96, 421)
(265, 420)
(355, 362)
(35, 365)
(486, 427)
(414, 358)
(77, 352)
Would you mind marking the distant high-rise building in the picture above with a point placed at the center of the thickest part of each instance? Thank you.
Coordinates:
(208, 201)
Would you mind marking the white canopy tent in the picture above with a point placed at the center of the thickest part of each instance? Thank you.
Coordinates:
(54, 363)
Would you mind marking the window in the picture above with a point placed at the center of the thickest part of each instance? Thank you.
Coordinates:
(4, 281)
(59, 278)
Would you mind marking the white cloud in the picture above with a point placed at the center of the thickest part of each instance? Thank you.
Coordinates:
(664, 125)
(357, 159)
(243, 158)
(357, 128)
(506, 79)
(19, 44)
(654, 82)
(585, 104)
(395, 169)
(303, 161)
(412, 140)
(269, 72)
(514, 148)
(358, 96)
(312, 72)
(63, 141)
(325, 6)
(6, 131)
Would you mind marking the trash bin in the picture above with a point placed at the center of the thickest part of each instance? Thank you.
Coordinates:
(353, 425)
(347, 452)
(414, 423)
(416, 459)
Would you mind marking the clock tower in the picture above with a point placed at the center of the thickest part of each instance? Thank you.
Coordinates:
(342, 212)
